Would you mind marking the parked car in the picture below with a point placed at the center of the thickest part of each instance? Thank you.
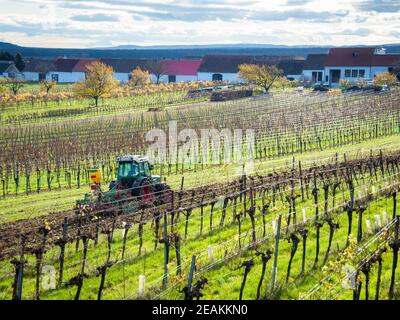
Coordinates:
(352, 89)
(320, 88)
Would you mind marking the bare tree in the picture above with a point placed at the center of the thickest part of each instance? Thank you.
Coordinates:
(14, 84)
(158, 68)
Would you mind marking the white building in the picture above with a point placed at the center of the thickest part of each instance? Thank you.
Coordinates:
(314, 68)
(123, 67)
(353, 64)
(61, 70)
(292, 68)
(183, 70)
(9, 70)
(222, 67)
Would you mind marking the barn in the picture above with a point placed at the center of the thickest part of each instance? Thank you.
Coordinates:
(222, 67)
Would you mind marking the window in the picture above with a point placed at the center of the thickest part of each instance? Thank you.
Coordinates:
(54, 77)
(217, 77)
(42, 76)
(11, 75)
(127, 169)
(316, 76)
(141, 167)
(146, 169)
(361, 73)
(354, 73)
(171, 78)
(347, 73)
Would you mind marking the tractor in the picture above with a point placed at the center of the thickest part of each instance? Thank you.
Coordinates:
(134, 188)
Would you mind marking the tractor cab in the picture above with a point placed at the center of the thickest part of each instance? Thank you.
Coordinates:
(134, 171)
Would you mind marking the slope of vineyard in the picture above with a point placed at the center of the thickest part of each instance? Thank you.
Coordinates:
(323, 195)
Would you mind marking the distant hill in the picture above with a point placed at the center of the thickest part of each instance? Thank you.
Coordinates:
(207, 46)
(173, 52)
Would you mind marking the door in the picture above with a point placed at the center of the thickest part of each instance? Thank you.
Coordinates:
(335, 76)
(314, 77)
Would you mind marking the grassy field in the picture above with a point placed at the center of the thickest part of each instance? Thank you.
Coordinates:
(224, 277)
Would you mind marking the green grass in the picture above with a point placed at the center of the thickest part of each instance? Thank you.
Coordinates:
(224, 279)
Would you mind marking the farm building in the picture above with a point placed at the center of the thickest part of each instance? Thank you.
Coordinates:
(38, 70)
(123, 67)
(357, 63)
(70, 70)
(292, 69)
(9, 70)
(222, 67)
(226, 67)
(181, 70)
(314, 68)
(73, 70)
(61, 70)
(167, 70)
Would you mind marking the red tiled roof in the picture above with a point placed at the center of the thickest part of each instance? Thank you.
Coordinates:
(72, 65)
(40, 65)
(82, 64)
(182, 67)
(359, 57)
(65, 65)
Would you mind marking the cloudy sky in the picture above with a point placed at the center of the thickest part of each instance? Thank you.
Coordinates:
(98, 23)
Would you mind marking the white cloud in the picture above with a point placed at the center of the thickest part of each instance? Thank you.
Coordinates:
(86, 23)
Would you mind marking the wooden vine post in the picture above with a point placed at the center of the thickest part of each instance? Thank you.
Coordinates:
(165, 240)
(350, 205)
(251, 212)
(188, 296)
(318, 225)
(276, 252)
(62, 242)
(395, 245)
(19, 272)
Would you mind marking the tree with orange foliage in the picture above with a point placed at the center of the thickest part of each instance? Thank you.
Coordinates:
(385, 78)
(99, 82)
(261, 75)
(139, 77)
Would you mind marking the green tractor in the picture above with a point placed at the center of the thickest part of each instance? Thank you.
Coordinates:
(134, 188)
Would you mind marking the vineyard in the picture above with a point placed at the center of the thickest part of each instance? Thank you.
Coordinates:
(317, 217)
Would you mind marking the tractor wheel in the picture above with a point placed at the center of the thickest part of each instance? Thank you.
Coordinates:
(164, 194)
